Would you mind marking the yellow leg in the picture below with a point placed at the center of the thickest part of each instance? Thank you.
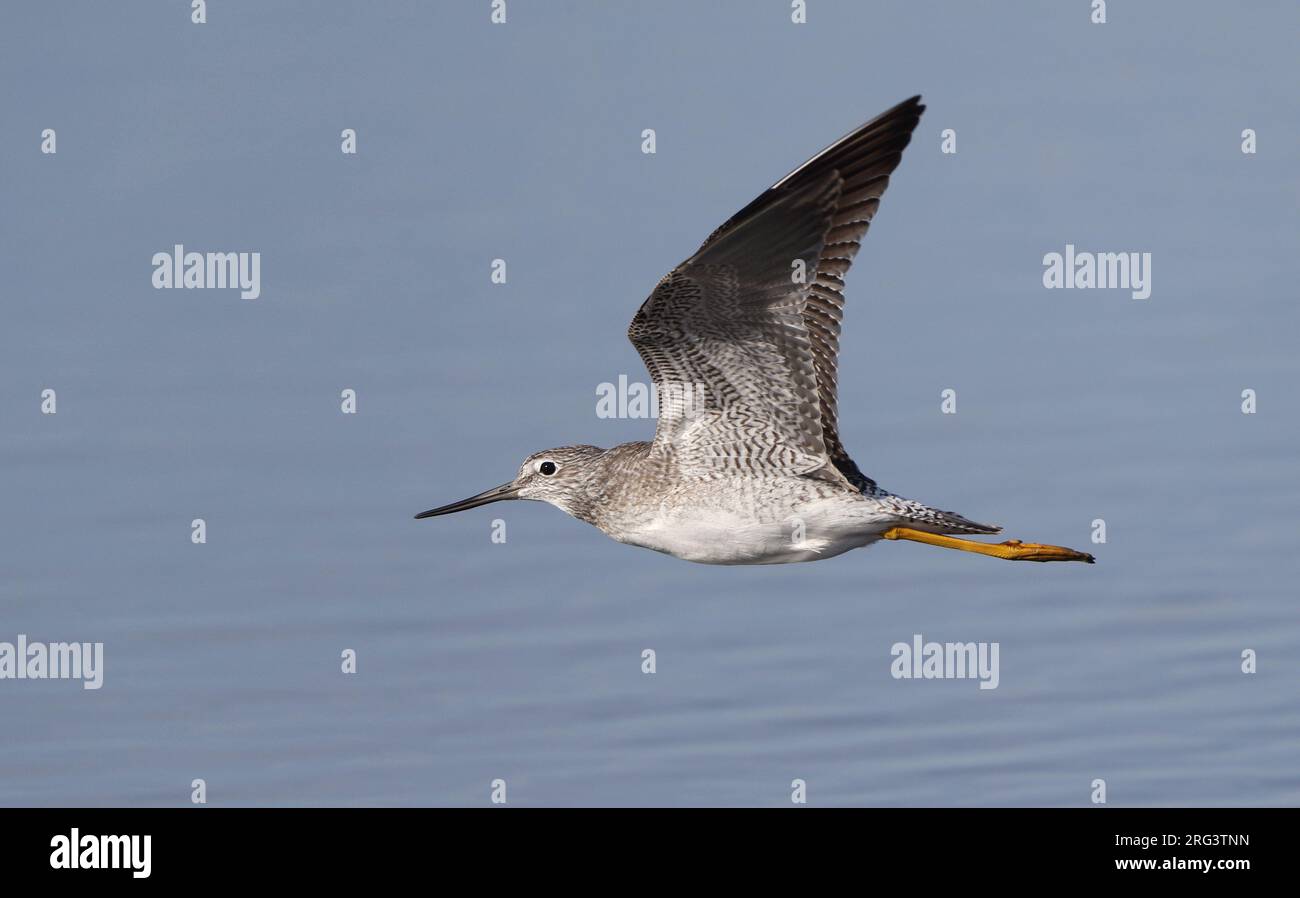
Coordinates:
(1012, 549)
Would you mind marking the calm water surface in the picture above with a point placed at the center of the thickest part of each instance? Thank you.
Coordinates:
(522, 660)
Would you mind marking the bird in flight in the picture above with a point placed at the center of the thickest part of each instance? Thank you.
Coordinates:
(741, 340)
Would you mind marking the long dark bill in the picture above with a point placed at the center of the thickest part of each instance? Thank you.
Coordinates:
(496, 494)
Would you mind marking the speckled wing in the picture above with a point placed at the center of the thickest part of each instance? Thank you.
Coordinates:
(742, 349)
(724, 338)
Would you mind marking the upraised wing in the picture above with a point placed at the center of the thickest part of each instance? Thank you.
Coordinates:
(742, 338)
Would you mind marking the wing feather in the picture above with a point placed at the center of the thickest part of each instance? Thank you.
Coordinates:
(744, 354)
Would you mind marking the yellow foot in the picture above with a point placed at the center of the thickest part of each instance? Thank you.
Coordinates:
(1012, 549)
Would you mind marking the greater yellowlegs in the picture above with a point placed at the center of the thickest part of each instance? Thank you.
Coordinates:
(741, 339)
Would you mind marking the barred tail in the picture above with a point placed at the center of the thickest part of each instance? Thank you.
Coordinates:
(934, 520)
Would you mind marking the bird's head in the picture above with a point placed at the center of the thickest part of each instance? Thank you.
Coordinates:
(559, 476)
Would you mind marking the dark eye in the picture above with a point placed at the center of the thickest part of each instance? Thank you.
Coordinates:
(546, 468)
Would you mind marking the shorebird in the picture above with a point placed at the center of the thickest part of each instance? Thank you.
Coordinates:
(741, 340)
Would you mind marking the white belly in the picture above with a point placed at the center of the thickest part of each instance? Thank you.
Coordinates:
(821, 529)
